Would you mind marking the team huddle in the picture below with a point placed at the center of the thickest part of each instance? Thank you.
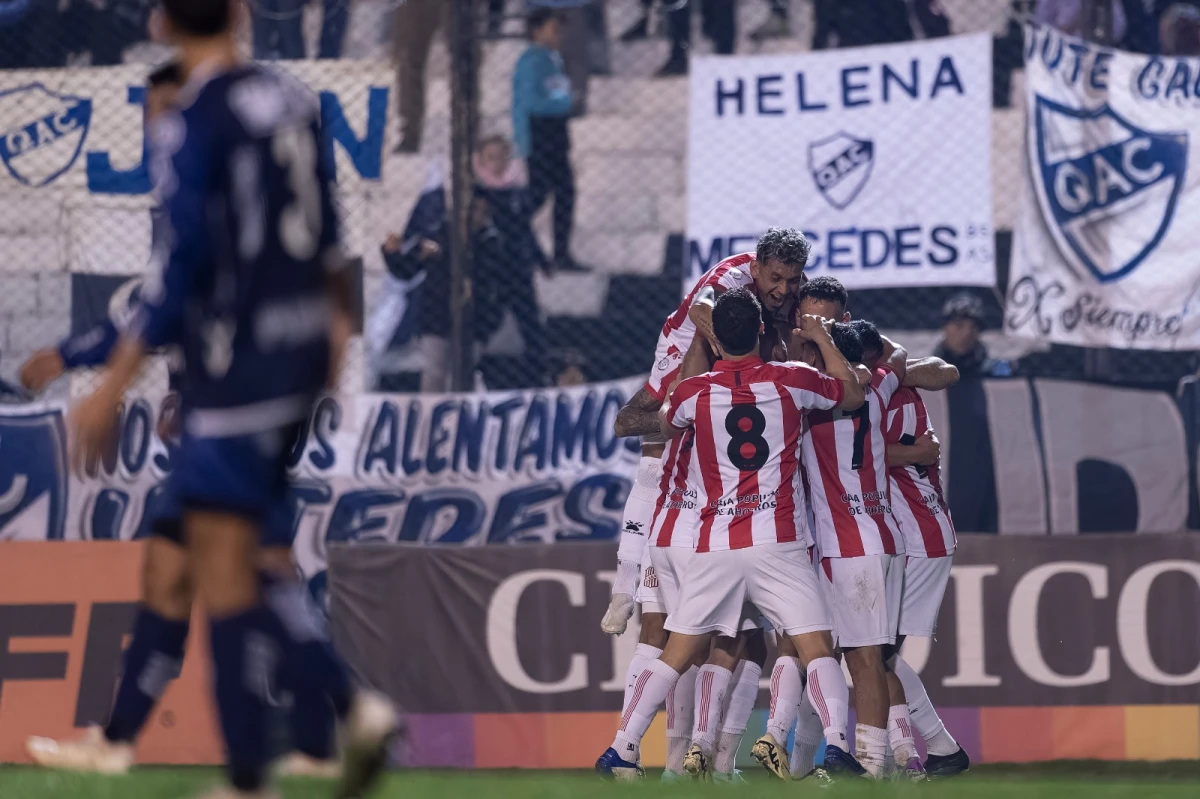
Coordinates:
(789, 481)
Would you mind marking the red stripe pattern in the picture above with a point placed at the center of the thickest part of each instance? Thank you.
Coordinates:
(919, 505)
(642, 679)
(818, 699)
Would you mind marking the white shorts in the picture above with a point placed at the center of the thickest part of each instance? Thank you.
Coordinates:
(864, 594)
(925, 582)
(667, 360)
(662, 574)
(723, 589)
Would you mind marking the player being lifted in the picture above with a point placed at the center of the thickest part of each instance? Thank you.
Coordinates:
(736, 468)
(250, 278)
(774, 272)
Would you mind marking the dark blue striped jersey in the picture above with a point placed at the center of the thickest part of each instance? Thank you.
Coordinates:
(249, 238)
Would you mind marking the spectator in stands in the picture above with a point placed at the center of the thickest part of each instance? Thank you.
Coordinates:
(1069, 17)
(278, 28)
(640, 29)
(961, 346)
(857, 23)
(778, 24)
(30, 34)
(584, 44)
(1178, 27)
(540, 113)
(719, 25)
(505, 252)
(417, 22)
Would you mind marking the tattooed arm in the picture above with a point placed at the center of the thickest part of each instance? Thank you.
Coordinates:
(639, 417)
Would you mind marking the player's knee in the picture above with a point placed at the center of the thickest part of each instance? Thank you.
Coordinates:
(653, 633)
(225, 548)
(166, 580)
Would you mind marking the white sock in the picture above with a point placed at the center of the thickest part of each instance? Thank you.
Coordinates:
(680, 703)
(725, 757)
(627, 578)
(900, 735)
(870, 748)
(809, 736)
(650, 689)
(637, 664)
(925, 719)
(830, 697)
(735, 714)
(711, 686)
(786, 690)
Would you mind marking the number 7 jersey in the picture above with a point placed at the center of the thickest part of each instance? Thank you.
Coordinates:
(845, 464)
(739, 455)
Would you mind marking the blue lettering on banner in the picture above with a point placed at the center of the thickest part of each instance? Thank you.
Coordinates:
(857, 86)
(39, 146)
(108, 511)
(1073, 62)
(362, 515)
(366, 153)
(522, 510)
(439, 436)
(33, 468)
(424, 510)
(104, 178)
(612, 492)
(469, 442)
(568, 431)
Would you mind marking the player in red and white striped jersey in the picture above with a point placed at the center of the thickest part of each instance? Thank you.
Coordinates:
(920, 509)
(738, 455)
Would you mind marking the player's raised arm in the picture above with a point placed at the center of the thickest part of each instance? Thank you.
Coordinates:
(931, 374)
(639, 416)
(815, 329)
(896, 358)
(701, 314)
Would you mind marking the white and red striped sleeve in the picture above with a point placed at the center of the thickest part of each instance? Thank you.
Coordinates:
(885, 381)
(734, 278)
(901, 421)
(682, 412)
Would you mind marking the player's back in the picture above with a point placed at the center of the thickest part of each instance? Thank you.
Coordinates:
(916, 490)
(256, 324)
(746, 419)
(845, 458)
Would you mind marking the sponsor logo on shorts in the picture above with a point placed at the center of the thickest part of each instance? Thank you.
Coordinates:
(651, 579)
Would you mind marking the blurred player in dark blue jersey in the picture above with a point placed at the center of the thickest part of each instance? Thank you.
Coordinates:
(251, 279)
(155, 652)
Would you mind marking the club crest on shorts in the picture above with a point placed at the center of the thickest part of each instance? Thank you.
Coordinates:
(1107, 188)
(650, 580)
(840, 166)
(33, 474)
(41, 132)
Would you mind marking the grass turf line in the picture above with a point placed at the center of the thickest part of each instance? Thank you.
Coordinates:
(1078, 780)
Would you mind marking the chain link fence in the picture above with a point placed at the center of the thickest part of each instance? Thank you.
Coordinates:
(573, 232)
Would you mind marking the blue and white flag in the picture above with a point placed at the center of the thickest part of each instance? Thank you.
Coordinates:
(881, 155)
(1106, 242)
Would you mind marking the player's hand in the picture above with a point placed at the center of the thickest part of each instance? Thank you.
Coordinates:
(812, 328)
(429, 249)
(393, 243)
(93, 427)
(863, 374)
(928, 449)
(42, 369)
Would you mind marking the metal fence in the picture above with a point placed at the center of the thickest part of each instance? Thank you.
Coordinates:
(493, 252)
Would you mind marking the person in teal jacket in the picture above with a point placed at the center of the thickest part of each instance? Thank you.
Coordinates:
(542, 104)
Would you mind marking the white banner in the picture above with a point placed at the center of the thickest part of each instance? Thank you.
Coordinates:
(882, 155)
(494, 467)
(1106, 250)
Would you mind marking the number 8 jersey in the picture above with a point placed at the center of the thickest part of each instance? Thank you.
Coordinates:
(739, 456)
(845, 464)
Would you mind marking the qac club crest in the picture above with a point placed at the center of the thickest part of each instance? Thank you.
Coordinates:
(41, 132)
(840, 166)
(1107, 188)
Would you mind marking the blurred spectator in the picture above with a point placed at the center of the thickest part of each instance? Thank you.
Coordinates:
(504, 253)
(568, 370)
(279, 28)
(1178, 27)
(858, 23)
(106, 27)
(719, 25)
(640, 29)
(961, 346)
(422, 250)
(31, 34)
(1008, 52)
(1068, 16)
(416, 24)
(541, 109)
(778, 24)
(584, 43)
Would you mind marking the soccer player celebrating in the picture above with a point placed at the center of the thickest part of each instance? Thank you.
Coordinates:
(920, 509)
(739, 428)
(251, 275)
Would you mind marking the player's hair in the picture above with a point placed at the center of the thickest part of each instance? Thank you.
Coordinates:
(538, 17)
(828, 289)
(846, 339)
(737, 318)
(868, 334)
(169, 74)
(787, 246)
(199, 17)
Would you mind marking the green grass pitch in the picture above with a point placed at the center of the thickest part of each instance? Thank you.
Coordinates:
(1050, 780)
